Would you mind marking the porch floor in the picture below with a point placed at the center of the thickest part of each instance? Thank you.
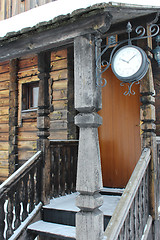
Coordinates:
(68, 203)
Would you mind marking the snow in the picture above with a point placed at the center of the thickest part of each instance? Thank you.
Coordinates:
(54, 228)
(68, 203)
(54, 9)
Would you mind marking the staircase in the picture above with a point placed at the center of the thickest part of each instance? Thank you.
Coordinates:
(58, 217)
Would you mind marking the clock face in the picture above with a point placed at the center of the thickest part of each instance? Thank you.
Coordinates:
(129, 63)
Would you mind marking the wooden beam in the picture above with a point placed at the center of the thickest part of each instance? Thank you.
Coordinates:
(13, 116)
(43, 122)
(40, 40)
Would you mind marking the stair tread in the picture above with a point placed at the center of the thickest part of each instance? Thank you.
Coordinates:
(112, 190)
(53, 229)
(67, 203)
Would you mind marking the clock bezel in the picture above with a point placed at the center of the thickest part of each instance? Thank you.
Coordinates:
(141, 71)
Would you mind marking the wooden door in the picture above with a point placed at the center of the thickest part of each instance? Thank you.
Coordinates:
(119, 134)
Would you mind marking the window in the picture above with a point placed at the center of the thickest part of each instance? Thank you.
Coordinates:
(30, 95)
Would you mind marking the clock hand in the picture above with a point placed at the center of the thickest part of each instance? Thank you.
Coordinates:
(132, 57)
(124, 60)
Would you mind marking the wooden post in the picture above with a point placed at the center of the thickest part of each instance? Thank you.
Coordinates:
(43, 121)
(89, 220)
(149, 139)
(13, 116)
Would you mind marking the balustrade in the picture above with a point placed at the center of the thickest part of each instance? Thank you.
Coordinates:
(19, 195)
(64, 156)
(132, 212)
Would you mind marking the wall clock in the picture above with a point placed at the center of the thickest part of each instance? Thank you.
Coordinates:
(130, 63)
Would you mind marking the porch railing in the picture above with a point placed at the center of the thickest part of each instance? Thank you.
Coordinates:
(20, 196)
(64, 154)
(131, 219)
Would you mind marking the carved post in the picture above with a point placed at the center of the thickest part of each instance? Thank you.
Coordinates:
(43, 121)
(149, 137)
(89, 221)
(13, 116)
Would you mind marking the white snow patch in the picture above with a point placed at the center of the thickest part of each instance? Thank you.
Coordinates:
(51, 10)
(68, 203)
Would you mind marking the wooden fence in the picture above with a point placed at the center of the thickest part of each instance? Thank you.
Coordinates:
(20, 194)
(64, 156)
(131, 219)
(9, 8)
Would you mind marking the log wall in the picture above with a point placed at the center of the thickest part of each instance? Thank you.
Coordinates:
(27, 131)
(4, 119)
(61, 105)
(9, 8)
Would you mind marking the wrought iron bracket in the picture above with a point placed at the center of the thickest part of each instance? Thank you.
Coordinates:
(102, 66)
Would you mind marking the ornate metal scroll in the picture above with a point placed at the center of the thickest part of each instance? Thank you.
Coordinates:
(102, 66)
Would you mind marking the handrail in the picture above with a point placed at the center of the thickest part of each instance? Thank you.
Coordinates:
(18, 172)
(120, 214)
(20, 194)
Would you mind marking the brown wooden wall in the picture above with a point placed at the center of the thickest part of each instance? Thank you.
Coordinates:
(4, 119)
(9, 8)
(27, 130)
(61, 99)
(62, 118)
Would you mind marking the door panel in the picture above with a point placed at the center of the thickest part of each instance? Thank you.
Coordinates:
(119, 134)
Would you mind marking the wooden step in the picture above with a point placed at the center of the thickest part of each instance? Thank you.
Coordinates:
(52, 230)
(62, 210)
(112, 191)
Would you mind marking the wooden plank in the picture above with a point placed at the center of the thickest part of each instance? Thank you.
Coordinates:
(27, 5)
(60, 94)
(58, 55)
(27, 136)
(59, 85)
(29, 115)
(14, 8)
(29, 79)
(4, 119)
(25, 155)
(57, 125)
(2, 9)
(4, 94)
(4, 68)
(4, 77)
(147, 235)
(4, 85)
(4, 111)
(27, 145)
(4, 102)
(58, 65)
(4, 146)
(28, 127)
(28, 62)
(58, 135)
(51, 38)
(59, 74)
(27, 73)
(58, 115)
(3, 174)
(4, 128)
(4, 136)
(60, 104)
(53, 230)
(3, 156)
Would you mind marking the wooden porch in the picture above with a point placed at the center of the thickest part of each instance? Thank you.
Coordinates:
(21, 200)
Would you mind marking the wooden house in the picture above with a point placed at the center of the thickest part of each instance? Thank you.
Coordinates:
(51, 113)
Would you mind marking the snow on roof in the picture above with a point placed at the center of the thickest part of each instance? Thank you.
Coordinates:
(57, 8)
